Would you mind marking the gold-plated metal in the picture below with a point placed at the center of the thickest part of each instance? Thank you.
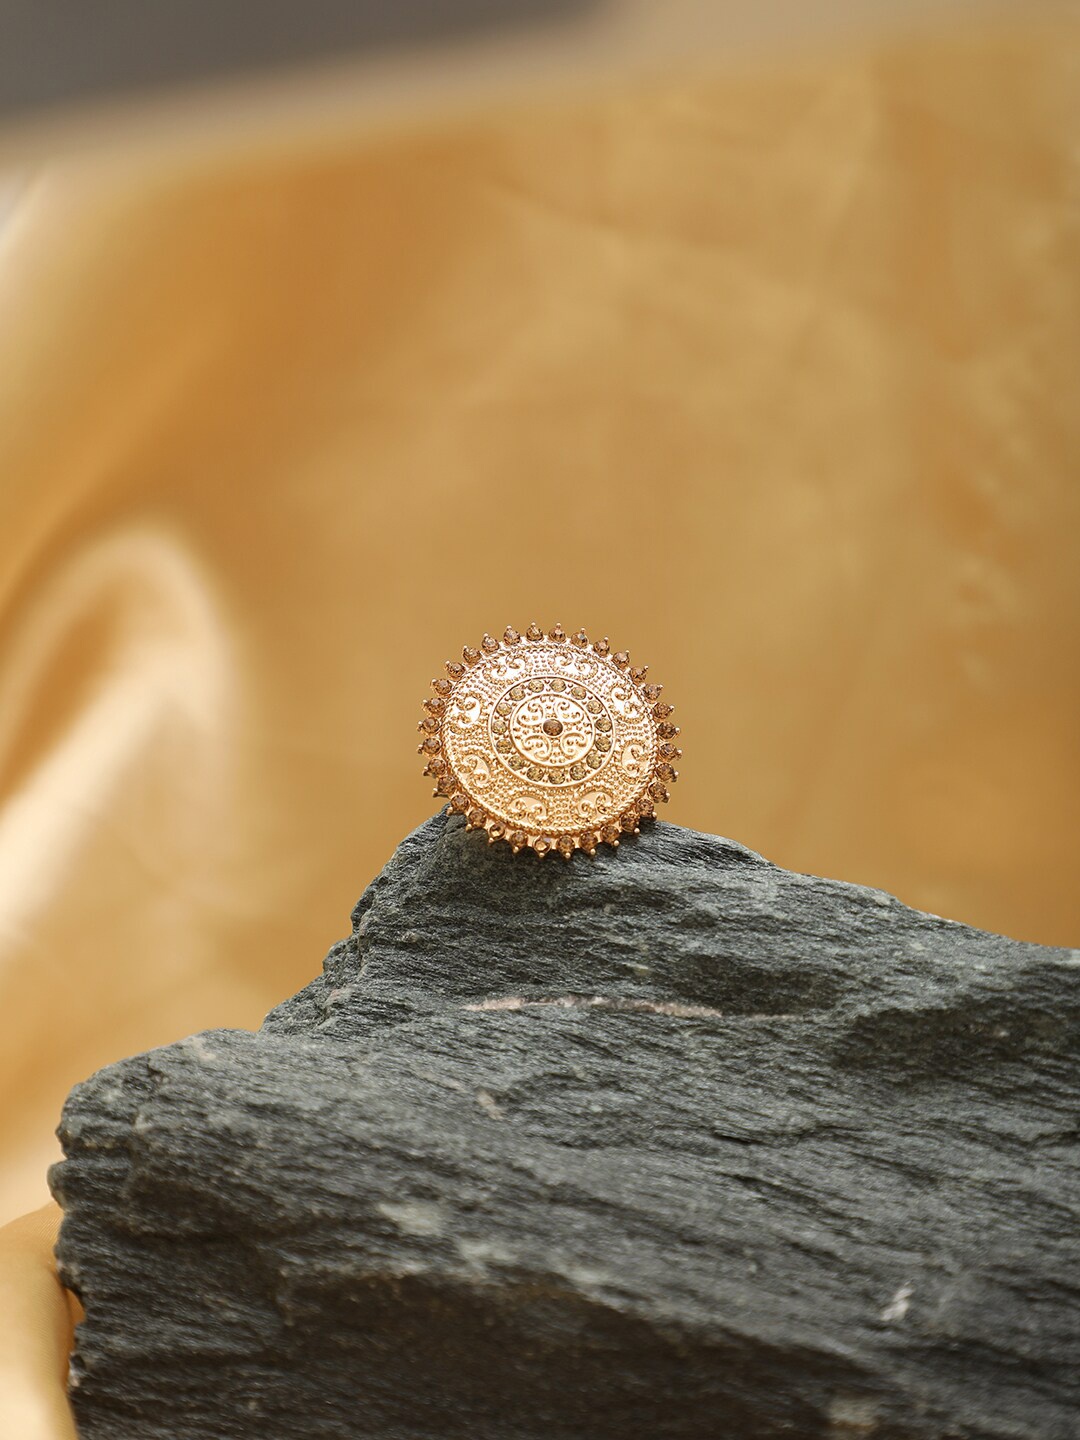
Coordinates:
(549, 741)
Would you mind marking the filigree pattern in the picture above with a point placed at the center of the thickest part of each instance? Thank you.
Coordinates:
(552, 728)
(549, 741)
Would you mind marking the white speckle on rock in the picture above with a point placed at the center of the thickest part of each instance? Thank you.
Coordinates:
(586, 1277)
(414, 1217)
(485, 1252)
(897, 1307)
(623, 1004)
(487, 1101)
(851, 1416)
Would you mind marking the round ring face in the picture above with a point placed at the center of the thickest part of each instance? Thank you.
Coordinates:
(550, 743)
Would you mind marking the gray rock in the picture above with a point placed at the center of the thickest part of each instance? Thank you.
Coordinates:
(672, 1143)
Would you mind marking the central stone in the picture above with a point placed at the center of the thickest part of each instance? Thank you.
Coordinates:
(553, 726)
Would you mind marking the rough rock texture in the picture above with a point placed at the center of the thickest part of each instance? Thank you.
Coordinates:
(669, 1144)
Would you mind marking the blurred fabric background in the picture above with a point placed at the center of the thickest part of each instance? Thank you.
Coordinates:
(767, 369)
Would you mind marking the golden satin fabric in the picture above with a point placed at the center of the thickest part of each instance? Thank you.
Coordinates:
(772, 378)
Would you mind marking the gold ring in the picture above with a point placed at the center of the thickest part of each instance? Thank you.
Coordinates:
(549, 742)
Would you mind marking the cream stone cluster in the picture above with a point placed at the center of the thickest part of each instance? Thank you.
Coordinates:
(549, 741)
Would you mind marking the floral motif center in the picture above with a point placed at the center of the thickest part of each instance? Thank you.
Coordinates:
(549, 726)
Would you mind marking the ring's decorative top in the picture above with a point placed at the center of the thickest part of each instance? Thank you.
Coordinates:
(549, 741)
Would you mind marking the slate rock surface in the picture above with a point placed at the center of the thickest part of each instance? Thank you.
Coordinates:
(673, 1143)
